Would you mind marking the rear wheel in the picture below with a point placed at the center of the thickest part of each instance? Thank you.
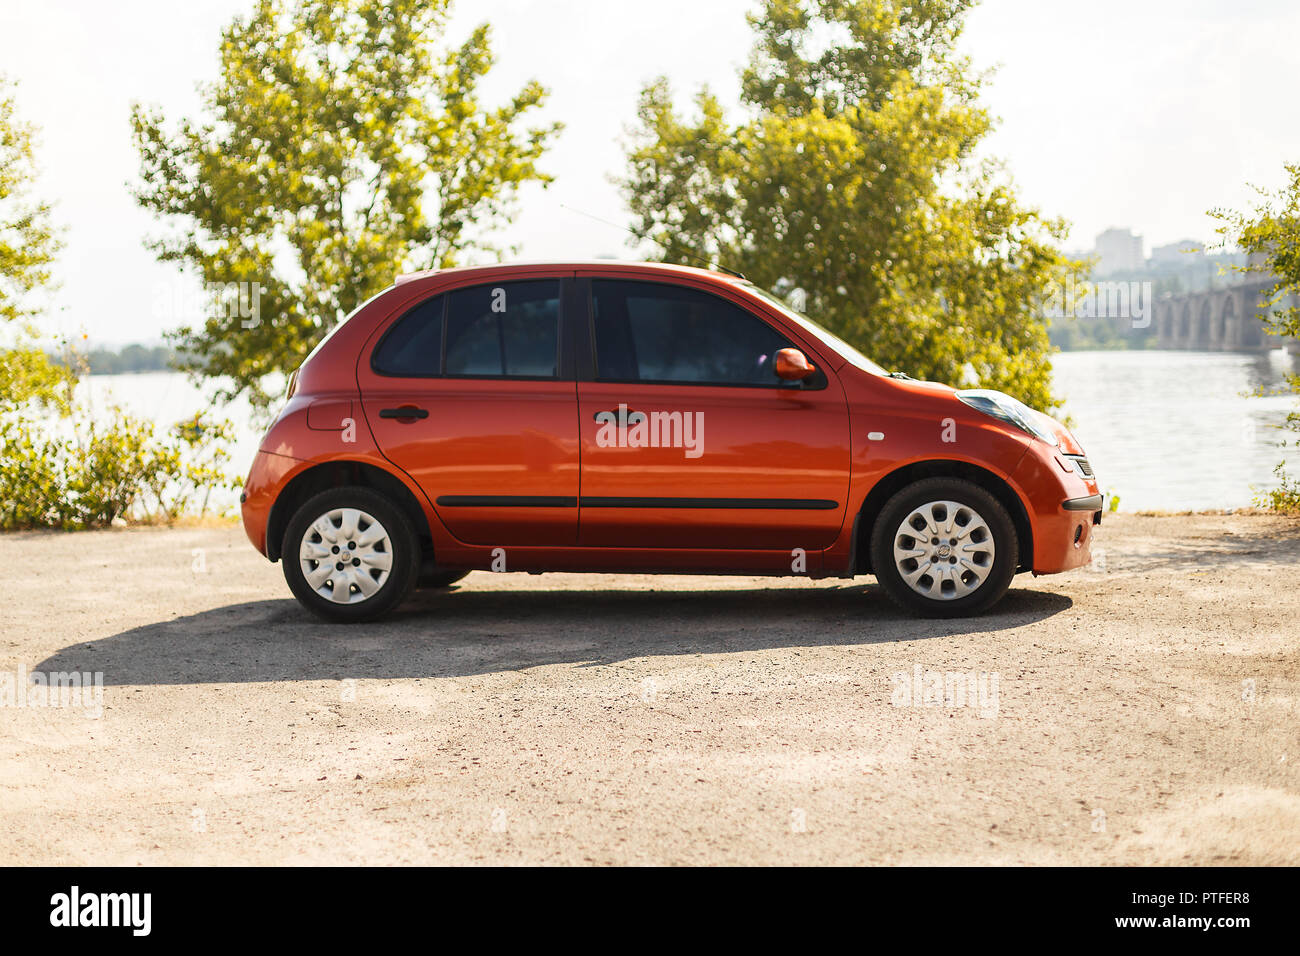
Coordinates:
(349, 555)
(944, 547)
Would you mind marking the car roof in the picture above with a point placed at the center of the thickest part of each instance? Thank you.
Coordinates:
(598, 265)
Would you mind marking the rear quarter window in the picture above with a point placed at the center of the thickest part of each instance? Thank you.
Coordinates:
(412, 348)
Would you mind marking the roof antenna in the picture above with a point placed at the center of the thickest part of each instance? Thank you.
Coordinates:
(719, 267)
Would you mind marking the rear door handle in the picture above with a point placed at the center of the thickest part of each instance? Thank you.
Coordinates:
(405, 413)
(633, 418)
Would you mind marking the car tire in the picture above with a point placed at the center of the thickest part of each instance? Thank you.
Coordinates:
(435, 577)
(944, 547)
(360, 522)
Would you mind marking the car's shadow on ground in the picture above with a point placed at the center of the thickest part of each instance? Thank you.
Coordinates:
(464, 631)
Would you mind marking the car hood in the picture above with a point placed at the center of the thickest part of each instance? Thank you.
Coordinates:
(1065, 439)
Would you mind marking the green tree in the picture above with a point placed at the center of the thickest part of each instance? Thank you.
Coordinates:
(1270, 234)
(29, 244)
(855, 177)
(341, 145)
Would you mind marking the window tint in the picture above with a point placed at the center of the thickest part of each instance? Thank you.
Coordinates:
(651, 332)
(413, 347)
(510, 328)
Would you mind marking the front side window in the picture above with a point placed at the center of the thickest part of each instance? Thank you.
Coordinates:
(652, 332)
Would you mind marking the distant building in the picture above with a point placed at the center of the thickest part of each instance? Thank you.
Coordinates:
(1180, 253)
(1118, 250)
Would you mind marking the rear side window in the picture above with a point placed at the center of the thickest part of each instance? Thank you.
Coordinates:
(507, 329)
(652, 332)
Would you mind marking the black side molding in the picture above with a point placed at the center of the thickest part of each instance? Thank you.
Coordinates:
(767, 504)
(1091, 503)
(506, 501)
(536, 501)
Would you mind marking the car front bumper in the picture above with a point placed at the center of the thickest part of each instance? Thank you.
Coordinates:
(1063, 509)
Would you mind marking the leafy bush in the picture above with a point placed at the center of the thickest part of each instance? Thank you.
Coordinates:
(28, 376)
(1286, 496)
(1270, 234)
(61, 468)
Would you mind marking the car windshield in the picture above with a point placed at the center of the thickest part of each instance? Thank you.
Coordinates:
(823, 335)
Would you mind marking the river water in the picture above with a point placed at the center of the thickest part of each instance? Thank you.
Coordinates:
(1178, 430)
(1164, 430)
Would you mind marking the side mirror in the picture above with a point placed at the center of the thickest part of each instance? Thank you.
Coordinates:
(793, 366)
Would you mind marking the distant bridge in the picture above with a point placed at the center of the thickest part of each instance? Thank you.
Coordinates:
(1218, 320)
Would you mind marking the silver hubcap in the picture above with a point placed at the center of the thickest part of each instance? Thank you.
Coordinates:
(346, 556)
(944, 550)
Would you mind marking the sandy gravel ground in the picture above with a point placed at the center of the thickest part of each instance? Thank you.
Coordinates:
(1143, 712)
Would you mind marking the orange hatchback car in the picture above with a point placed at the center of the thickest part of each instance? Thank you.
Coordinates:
(646, 418)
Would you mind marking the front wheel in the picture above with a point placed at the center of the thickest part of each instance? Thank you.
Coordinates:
(349, 555)
(944, 547)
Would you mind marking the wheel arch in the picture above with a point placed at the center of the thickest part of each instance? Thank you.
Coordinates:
(900, 478)
(335, 474)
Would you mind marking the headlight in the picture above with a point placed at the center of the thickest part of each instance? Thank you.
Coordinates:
(1007, 409)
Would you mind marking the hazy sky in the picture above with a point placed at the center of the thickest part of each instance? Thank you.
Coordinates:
(1141, 113)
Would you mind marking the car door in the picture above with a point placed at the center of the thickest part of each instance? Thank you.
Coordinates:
(689, 440)
(469, 393)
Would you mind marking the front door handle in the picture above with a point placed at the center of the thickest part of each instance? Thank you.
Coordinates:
(407, 413)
